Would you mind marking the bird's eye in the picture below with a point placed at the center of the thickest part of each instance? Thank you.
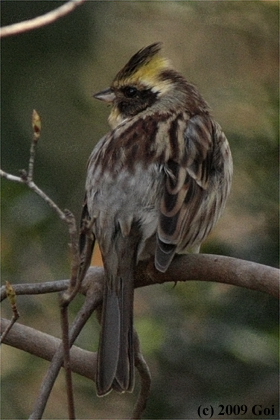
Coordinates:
(130, 91)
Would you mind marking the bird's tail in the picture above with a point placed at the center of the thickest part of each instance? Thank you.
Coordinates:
(115, 369)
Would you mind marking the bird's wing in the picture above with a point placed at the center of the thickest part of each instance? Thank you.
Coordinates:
(186, 185)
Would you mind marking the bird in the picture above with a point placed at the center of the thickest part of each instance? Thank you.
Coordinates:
(156, 185)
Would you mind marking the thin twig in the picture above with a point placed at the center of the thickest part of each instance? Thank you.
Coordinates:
(40, 21)
(93, 300)
(37, 126)
(65, 299)
(11, 294)
(27, 177)
(36, 288)
(47, 199)
(10, 177)
(67, 361)
(75, 255)
(89, 306)
(77, 274)
(145, 379)
(23, 180)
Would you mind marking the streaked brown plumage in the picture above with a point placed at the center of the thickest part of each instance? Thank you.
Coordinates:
(156, 185)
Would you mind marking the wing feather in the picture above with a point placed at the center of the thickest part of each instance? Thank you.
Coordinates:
(186, 186)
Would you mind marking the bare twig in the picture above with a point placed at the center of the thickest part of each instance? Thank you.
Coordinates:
(37, 126)
(40, 21)
(78, 272)
(89, 306)
(75, 258)
(145, 377)
(66, 358)
(77, 275)
(79, 260)
(23, 180)
(36, 288)
(77, 269)
(65, 299)
(66, 215)
(44, 346)
(27, 177)
(11, 294)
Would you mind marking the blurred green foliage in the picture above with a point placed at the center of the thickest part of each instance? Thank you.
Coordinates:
(205, 343)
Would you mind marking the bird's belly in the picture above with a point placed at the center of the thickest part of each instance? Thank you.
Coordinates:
(120, 201)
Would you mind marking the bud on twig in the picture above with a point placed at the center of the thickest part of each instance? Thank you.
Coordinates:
(11, 294)
(37, 125)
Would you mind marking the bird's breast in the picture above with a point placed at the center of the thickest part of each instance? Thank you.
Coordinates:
(117, 200)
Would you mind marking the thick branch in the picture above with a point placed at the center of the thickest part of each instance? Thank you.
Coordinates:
(44, 345)
(188, 267)
(198, 267)
(216, 268)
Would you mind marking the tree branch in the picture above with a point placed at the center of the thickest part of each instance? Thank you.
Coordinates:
(183, 268)
(40, 21)
(36, 288)
(82, 362)
(214, 268)
(145, 380)
(90, 304)
(199, 267)
(189, 267)
(45, 346)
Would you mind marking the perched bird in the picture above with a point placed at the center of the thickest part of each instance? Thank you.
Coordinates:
(156, 185)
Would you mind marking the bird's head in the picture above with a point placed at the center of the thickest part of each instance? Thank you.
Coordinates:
(142, 82)
(149, 82)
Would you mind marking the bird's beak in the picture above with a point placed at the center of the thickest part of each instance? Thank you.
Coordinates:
(107, 95)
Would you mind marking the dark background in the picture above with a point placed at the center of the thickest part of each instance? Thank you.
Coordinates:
(205, 343)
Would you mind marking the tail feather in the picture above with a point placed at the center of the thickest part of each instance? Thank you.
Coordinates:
(115, 368)
(125, 369)
(108, 353)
